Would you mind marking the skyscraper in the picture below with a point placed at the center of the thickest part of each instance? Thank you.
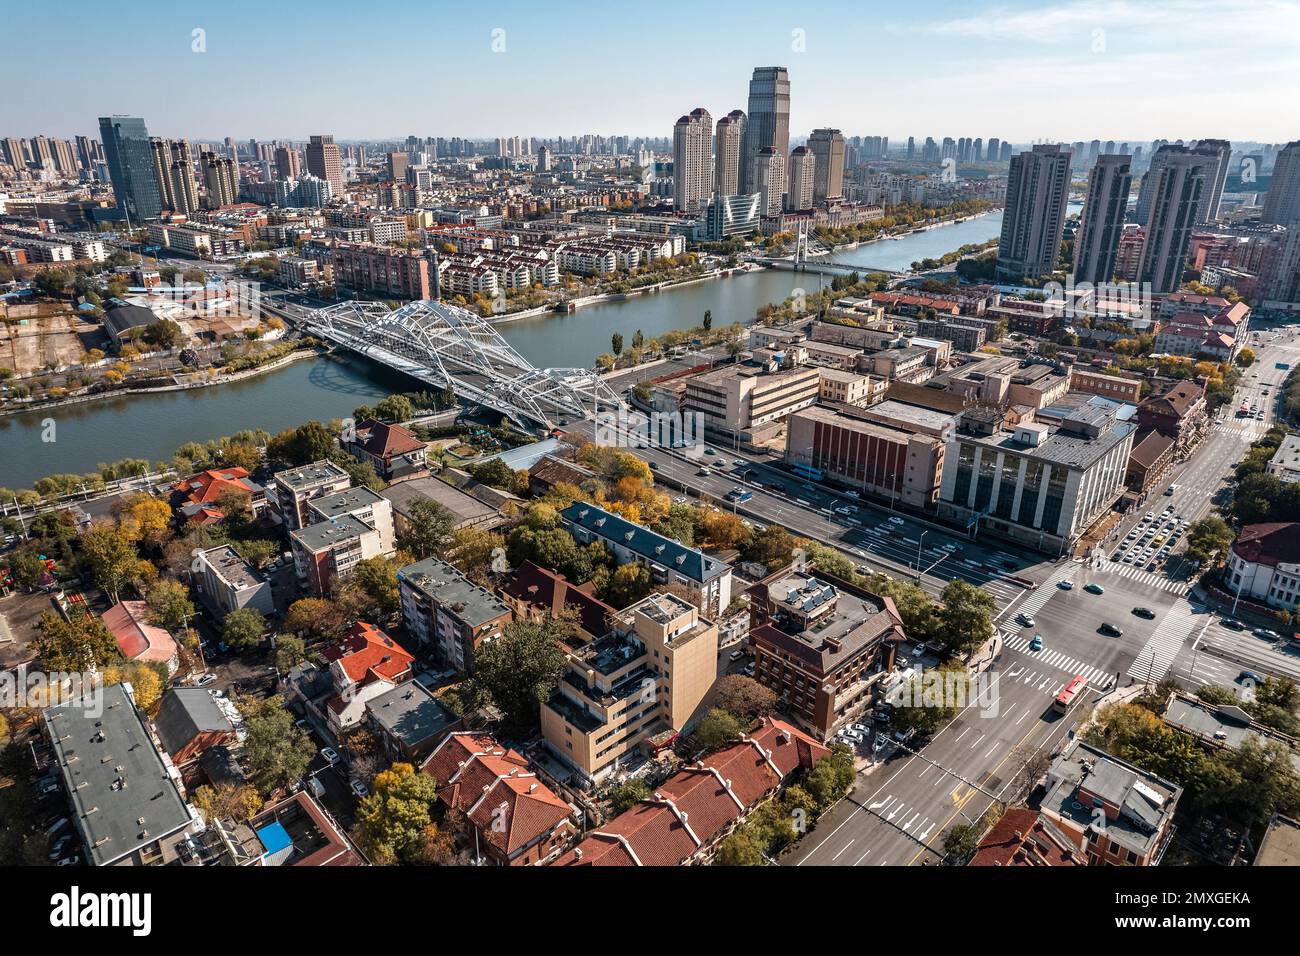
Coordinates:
(1038, 185)
(221, 177)
(129, 158)
(995, 146)
(692, 155)
(1104, 206)
(803, 173)
(173, 168)
(828, 146)
(728, 142)
(543, 159)
(768, 123)
(288, 165)
(1176, 199)
(767, 178)
(1282, 201)
(1220, 151)
(323, 161)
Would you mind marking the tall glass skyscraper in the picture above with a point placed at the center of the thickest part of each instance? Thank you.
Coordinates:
(130, 166)
(768, 123)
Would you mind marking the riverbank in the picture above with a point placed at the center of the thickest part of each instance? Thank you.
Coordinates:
(295, 356)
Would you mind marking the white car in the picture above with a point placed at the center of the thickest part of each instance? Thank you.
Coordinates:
(679, 500)
(1065, 585)
(330, 755)
(205, 679)
(896, 520)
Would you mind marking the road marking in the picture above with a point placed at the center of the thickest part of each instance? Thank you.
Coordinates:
(842, 849)
(861, 858)
(995, 746)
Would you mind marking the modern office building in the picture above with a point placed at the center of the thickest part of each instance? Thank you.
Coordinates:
(803, 172)
(1038, 185)
(767, 178)
(828, 179)
(1176, 198)
(727, 216)
(767, 126)
(323, 161)
(129, 157)
(692, 160)
(1282, 201)
(738, 399)
(1096, 244)
(727, 153)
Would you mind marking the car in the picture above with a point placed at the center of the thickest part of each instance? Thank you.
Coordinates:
(1232, 625)
(702, 472)
(1094, 589)
(1150, 516)
(59, 845)
(1110, 630)
(1249, 677)
(654, 466)
(1025, 620)
(863, 729)
(880, 717)
(1066, 585)
(1145, 612)
(895, 519)
(330, 755)
(48, 788)
(1171, 489)
(739, 462)
(1037, 643)
(1265, 634)
(749, 670)
(74, 860)
(850, 735)
(359, 788)
(709, 451)
(952, 547)
(735, 655)
(680, 500)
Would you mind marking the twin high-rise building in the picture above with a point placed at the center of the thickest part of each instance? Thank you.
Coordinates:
(173, 168)
(1104, 207)
(1282, 201)
(803, 174)
(727, 153)
(1176, 200)
(1217, 152)
(692, 160)
(288, 165)
(324, 162)
(221, 180)
(1038, 185)
(766, 127)
(129, 157)
(828, 146)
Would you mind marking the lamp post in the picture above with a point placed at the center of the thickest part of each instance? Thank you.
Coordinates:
(918, 553)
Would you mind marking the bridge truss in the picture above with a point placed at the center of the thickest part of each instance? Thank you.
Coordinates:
(450, 347)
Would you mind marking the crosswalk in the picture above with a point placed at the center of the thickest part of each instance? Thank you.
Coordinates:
(1160, 651)
(1036, 601)
(1036, 670)
(1150, 579)
(1248, 431)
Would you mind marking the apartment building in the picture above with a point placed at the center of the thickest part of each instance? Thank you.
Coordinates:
(226, 582)
(393, 451)
(290, 490)
(851, 388)
(1117, 387)
(364, 664)
(903, 466)
(647, 677)
(327, 552)
(447, 613)
(669, 561)
(1039, 485)
(367, 506)
(821, 645)
(385, 270)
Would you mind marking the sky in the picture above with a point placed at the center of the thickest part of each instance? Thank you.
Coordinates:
(1067, 70)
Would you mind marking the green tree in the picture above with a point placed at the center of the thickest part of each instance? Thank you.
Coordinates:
(616, 343)
(111, 554)
(428, 523)
(26, 569)
(716, 729)
(1208, 538)
(708, 319)
(965, 619)
(628, 584)
(315, 619)
(302, 445)
(628, 794)
(494, 472)
(743, 697)
(832, 777)
(740, 848)
(522, 668)
(377, 579)
(395, 408)
(394, 820)
(169, 604)
(275, 751)
(243, 627)
(290, 651)
(82, 643)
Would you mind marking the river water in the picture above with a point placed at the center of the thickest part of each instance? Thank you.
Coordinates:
(153, 426)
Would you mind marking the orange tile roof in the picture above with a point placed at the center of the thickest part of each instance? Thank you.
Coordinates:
(366, 653)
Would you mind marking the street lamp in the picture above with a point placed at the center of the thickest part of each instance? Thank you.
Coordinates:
(918, 552)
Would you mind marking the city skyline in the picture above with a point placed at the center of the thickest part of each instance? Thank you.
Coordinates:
(1116, 69)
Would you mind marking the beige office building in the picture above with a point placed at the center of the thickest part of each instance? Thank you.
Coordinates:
(727, 153)
(803, 171)
(692, 160)
(740, 399)
(324, 162)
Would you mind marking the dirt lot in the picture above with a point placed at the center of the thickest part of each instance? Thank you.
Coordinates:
(19, 615)
(42, 335)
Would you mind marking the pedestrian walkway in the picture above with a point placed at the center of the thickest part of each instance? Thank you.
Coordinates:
(1043, 593)
(1040, 661)
(1161, 650)
(1249, 431)
(1151, 579)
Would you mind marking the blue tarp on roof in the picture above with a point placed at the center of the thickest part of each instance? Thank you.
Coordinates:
(275, 838)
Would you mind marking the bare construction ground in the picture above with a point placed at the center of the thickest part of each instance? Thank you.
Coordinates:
(36, 337)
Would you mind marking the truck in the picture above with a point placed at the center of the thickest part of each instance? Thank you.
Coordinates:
(740, 495)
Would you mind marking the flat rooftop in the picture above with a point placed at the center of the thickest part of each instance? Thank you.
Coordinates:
(343, 502)
(308, 476)
(231, 568)
(327, 534)
(444, 584)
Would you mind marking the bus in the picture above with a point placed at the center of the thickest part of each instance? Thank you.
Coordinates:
(807, 471)
(740, 495)
(1068, 696)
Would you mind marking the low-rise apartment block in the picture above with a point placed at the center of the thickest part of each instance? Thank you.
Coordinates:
(448, 613)
(290, 490)
(748, 399)
(226, 582)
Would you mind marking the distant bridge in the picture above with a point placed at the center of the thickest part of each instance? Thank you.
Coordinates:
(449, 347)
(827, 268)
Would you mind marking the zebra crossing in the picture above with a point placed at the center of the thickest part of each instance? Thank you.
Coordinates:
(1160, 651)
(1036, 601)
(1097, 678)
(1248, 431)
(1150, 579)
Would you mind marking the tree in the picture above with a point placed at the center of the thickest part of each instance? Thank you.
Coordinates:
(740, 848)
(275, 751)
(494, 472)
(616, 343)
(315, 619)
(164, 334)
(708, 319)
(628, 794)
(716, 729)
(377, 578)
(82, 643)
(774, 547)
(427, 524)
(961, 841)
(145, 518)
(169, 604)
(110, 552)
(302, 445)
(392, 822)
(227, 802)
(243, 627)
(26, 570)
(966, 617)
(628, 584)
(395, 408)
(1246, 358)
(743, 697)
(521, 669)
(146, 682)
(290, 651)
(832, 778)
(721, 530)
(474, 551)
(1208, 538)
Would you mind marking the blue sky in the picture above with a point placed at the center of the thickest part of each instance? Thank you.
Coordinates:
(1073, 69)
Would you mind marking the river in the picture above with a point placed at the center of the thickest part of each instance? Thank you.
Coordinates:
(153, 425)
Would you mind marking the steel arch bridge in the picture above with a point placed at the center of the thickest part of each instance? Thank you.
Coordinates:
(450, 347)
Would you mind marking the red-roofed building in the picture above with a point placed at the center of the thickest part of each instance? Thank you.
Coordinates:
(683, 821)
(199, 494)
(1179, 411)
(533, 589)
(137, 639)
(519, 820)
(393, 450)
(365, 663)
(1264, 564)
(1023, 838)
